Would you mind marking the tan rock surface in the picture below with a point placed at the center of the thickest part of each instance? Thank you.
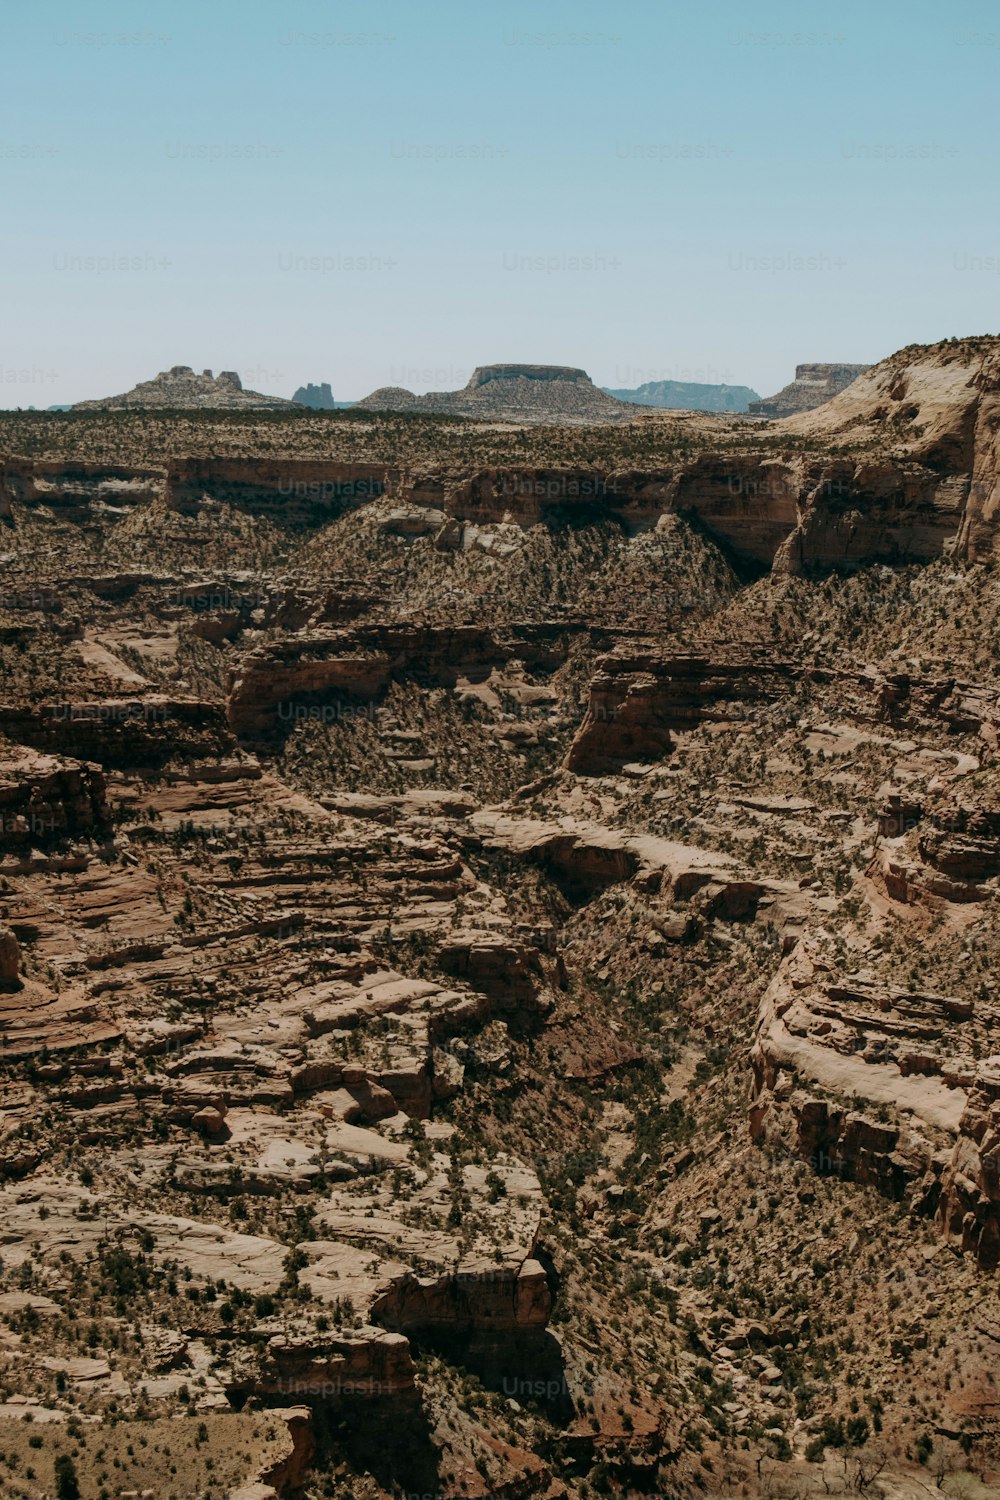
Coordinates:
(561, 1050)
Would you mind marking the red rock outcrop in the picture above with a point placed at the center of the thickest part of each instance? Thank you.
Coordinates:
(504, 1303)
(121, 731)
(854, 514)
(370, 1363)
(930, 1134)
(586, 857)
(946, 850)
(969, 1202)
(641, 696)
(511, 973)
(344, 673)
(289, 1473)
(962, 841)
(531, 496)
(47, 796)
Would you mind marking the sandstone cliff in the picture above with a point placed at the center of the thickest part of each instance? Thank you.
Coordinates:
(910, 473)
(813, 385)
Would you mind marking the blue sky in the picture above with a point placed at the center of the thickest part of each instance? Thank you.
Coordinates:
(393, 193)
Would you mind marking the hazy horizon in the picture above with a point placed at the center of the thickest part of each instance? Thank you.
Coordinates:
(382, 196)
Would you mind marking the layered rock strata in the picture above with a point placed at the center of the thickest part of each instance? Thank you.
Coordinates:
(813, 385)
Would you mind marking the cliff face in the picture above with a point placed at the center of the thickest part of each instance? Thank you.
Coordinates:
(937, 407)
(293, 491)
(505, 1303)
(979, 534)
(799, 515)
(143, 731)
(640, 699)
(529, 497)
(46, 797)
(922, 401)
(643, 696)
(813, 385)
(74, 487)
(925, 1124)
(913, 472)
(849, 515)
(344, 673)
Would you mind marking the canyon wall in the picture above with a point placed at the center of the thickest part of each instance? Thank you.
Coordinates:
(902, 466)
(640, 697)
(120, 731)
(272, 681)
(799, 515)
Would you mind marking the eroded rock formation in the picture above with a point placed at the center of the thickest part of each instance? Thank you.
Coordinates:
(640, 699)
(180, 387)
(421, 853)
(43, 797)
(512, 393)
(813, 385)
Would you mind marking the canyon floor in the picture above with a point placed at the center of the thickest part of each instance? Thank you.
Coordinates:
(496, 944)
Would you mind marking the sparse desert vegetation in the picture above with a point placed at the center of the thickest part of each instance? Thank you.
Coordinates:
(495, 977)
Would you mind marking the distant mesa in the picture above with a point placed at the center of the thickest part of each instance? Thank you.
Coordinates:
(688, 395)
(514, 393)
(181, 387)
(319, 397)
(555, 394)
(484, 374)
(813, 386)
